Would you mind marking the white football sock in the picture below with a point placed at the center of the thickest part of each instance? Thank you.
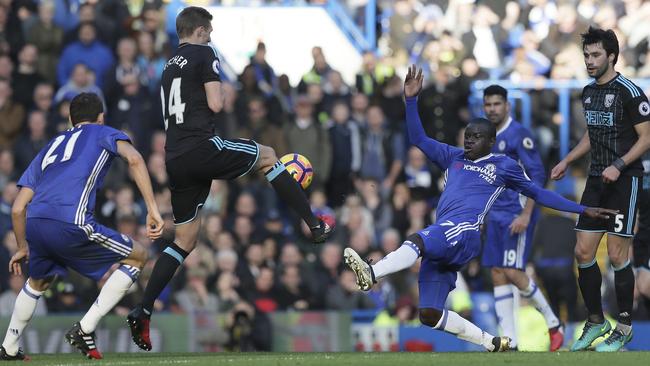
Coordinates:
(533, 294)
(397, 260)
(114, 289)
(462, 328)
(24, 309)
(504, 306)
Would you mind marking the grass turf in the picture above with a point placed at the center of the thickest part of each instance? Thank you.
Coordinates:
(355, 359)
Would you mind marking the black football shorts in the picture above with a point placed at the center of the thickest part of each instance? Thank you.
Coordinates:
(620, 195)
(191, 174)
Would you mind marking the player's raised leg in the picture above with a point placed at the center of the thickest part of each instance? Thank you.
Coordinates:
(24, 309)
(395, 261)
(82, 333)
(291, 193)
(590, 280)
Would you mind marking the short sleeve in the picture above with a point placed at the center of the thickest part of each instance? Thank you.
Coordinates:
(110, 137)
(33, 173)
(211, 67)
(638, 109)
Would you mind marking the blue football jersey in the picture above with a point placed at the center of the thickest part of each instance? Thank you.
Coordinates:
(473, 185)
(67, 173)
(516, 142)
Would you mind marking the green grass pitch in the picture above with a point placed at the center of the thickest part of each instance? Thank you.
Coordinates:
(354, 359)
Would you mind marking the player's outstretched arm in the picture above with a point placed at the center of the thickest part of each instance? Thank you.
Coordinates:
(139, 173)
(579, 151)
(19, 219)
(436, 151)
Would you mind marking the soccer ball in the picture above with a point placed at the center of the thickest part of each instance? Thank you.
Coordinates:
(299, 168)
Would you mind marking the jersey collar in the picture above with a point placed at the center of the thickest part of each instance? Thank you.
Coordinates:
(482, 158)
(505, 126)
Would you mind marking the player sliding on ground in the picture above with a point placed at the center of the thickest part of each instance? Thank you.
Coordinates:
(55, 228)
(475, 178)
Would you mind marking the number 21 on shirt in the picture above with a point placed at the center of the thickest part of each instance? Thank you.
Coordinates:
(176, 106)
(50, 157)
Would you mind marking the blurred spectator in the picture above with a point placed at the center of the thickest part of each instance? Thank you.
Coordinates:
(7, 171)
(150, 62)
(6, 67)
(262, 296)
(8, 298)
(260, 129)
(335, 91)
(372, 76)
(25, 76)
(346, 154)
(151, 23)
(554, 243)
(484, 39)
(318, 73)
(65, 15)
(308, 137)
(134, 111)
(264, 75)
(81, 81)
(88, 51)
(293, 294)
(42, 100)
(9, 193)
(48, 39)
(346, 295)
(125, 67)
(28, 145)
(382, 151)
(11, 31)
(439, 105)
(12, 115)
(104, 26)
(326, 273)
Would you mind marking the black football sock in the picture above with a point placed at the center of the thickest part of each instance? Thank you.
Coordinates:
(291, 193)
(624, 285)
(168, 262)
(590, 279)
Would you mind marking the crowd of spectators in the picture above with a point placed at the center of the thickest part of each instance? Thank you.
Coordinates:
(254, 256)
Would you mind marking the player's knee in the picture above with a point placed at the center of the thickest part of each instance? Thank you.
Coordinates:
(498, 276)
(430, 317)
(268, 157)
(138, 256)
(583, 254)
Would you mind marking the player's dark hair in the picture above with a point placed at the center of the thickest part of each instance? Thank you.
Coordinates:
(606, 37)
(485, 123)
(495, 90)
(190, 19)
(85, 107)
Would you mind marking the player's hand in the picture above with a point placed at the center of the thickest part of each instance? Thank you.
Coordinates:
(413, 81)
(155, 225)
(599, 213)
(611, 174)
(559, 170)
(21, 256)
(519, 224)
